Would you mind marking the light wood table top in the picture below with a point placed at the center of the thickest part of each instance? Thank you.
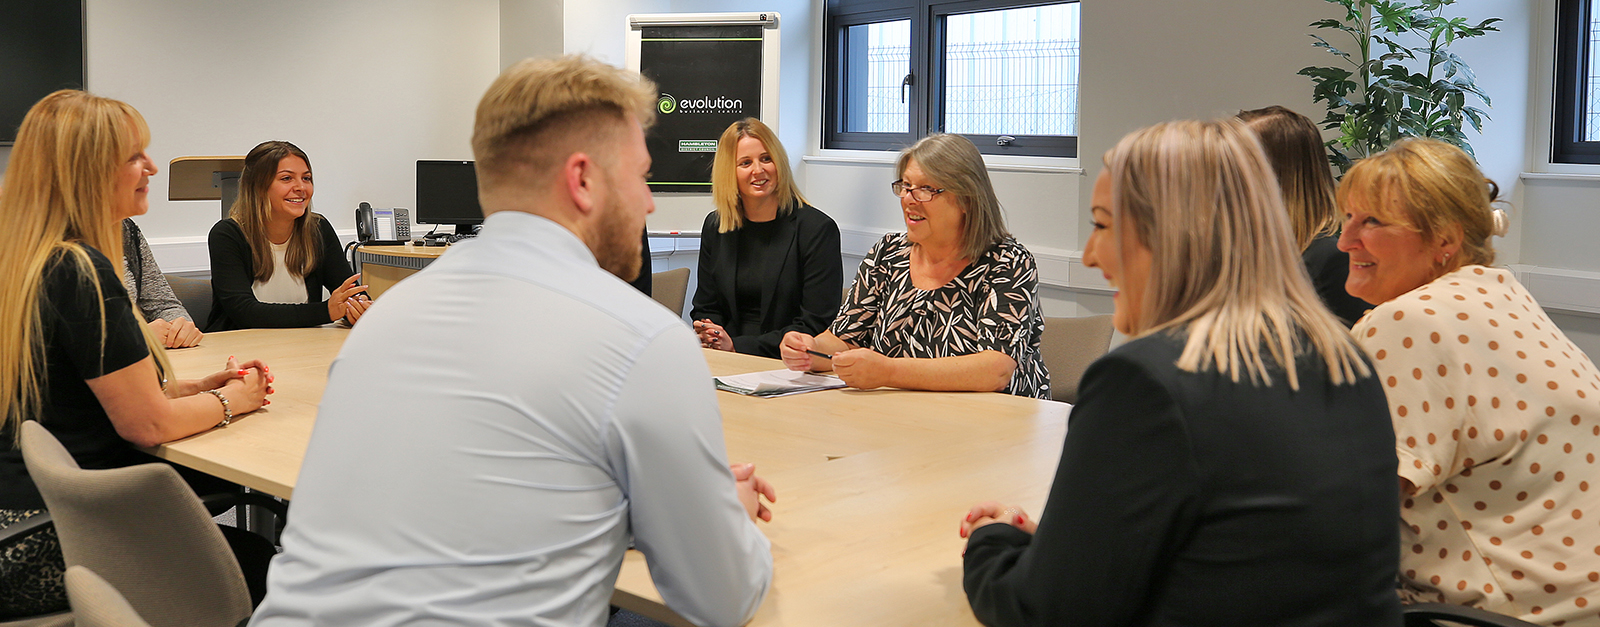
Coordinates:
(262, 449)
(871, 484)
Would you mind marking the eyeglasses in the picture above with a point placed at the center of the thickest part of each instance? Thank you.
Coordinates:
(920, 194)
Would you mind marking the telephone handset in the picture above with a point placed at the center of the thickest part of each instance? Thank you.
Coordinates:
(382, 227)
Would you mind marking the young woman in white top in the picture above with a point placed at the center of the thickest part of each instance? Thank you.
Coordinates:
(272, 257)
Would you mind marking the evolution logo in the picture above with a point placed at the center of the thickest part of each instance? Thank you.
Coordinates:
(667, 103)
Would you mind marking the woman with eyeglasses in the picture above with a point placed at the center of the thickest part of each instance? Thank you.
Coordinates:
(769, 261)
(951, 304)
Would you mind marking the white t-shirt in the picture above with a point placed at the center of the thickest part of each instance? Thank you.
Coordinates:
(283, 286)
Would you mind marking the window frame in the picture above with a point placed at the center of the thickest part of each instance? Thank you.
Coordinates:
(1571, 69)
(926, 94)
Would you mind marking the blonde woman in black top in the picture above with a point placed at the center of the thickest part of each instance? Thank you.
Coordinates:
(769, 262)
(1233, 463)
(75, 353)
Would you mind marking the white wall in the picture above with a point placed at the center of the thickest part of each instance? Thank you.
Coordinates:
(365, 87)
(530, 28)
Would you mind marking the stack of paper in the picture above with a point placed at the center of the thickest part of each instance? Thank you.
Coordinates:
(773, 383)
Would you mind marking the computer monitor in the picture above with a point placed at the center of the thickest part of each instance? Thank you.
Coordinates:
(447, 193)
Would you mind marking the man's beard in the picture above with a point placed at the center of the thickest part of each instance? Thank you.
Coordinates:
(617, 242)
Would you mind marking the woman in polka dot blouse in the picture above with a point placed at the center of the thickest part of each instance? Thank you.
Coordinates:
(1496, 414)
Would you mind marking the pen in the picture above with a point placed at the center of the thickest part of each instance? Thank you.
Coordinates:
(822, 355)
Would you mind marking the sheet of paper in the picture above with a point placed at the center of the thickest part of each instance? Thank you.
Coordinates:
(772, 383)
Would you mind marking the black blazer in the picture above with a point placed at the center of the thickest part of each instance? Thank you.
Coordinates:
(804, 294)
(1185, 498)
(234, 306)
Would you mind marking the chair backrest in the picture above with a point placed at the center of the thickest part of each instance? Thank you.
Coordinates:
(144, 531)
(1069, 346)
(96, 604)
(1447, 615)
(669, 288)
(196, 297)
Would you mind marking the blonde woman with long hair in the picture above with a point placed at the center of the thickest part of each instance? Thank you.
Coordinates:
(1232, 464)
(75, 353)
(769, 261)
(272, 257)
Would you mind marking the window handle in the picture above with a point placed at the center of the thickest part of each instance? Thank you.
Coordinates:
(909, 80)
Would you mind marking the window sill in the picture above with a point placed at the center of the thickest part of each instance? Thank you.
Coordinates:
(1560, 176)
(1042, 165)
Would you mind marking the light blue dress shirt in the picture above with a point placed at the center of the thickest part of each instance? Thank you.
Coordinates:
(494, 432)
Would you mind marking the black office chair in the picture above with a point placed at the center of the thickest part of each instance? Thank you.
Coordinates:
(1445, 614)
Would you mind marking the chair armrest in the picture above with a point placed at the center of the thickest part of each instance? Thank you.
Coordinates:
(25, 528)
(1425, 615)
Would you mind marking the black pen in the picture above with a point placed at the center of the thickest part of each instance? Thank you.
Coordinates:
(822, 355)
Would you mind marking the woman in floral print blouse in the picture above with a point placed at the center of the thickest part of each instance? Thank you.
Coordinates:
(951, 304)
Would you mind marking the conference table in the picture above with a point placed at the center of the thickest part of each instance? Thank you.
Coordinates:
(871, 484)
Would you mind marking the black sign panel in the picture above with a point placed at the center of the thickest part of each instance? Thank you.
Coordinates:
(709, 77)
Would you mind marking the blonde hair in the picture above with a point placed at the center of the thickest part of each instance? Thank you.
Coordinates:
(724, 181)
(1293, 146)
(540, 111)
(955, 164)
(1431, 187)
(56, 199)
(1201, 197)
(252, 210)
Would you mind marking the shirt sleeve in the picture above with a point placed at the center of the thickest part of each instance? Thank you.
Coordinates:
(1411, 351)
(156, 299)
(232, 276)
(75, 304)
(1124, 495)
(332, 267)
(708, 560)
(856, 323)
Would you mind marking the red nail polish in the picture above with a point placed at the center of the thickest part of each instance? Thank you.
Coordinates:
(1019, 520)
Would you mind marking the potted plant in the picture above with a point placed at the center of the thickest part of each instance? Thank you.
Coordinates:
(1399, 80)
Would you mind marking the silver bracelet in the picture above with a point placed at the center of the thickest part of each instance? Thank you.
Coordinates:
(227, 412)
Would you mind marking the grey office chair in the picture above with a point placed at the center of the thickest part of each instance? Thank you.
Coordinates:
(144, 531)
(1444, 614)
(96, 604)
(669, 289)
(196, 297)
(1069, 346)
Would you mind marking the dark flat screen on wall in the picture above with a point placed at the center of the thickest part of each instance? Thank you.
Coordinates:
(41, 50)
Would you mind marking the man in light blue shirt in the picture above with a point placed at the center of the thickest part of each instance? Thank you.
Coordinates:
(496, 475)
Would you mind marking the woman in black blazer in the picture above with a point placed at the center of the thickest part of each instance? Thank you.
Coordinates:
(272, 257)
(1233, 463)
(769, 262)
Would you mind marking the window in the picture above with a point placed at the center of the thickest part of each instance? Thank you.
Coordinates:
(1003, 73)
(1577, 107)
